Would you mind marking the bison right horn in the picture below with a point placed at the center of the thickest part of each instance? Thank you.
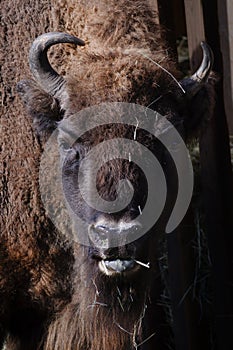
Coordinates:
(40, 67)
(193, 84)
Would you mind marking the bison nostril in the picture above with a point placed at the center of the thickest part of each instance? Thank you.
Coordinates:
(104, 237)
(99, 236)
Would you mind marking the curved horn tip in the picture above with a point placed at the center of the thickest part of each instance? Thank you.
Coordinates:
(206, 49)
(40, 67)
(53, 38)
(203, 71)
(193, 84)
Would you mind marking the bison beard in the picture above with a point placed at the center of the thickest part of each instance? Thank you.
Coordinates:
(105, 312)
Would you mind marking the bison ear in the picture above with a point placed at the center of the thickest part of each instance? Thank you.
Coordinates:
(199, 94)
(42, 107)
(199, 108)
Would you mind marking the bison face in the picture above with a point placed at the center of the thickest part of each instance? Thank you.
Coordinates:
(112, 248)
(51, 100)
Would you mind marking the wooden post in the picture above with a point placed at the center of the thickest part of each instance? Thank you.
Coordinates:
(195, 31)
(225, 17)
(218, 185)
(171, 17)
(216, 177)
(189, 325)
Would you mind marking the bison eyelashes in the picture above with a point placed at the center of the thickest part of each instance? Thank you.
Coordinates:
(68, 151)
(65, 146)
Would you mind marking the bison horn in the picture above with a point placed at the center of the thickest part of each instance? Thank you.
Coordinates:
(192, 84)
(40, 67)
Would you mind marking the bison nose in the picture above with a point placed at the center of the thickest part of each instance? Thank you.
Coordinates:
(103, 236)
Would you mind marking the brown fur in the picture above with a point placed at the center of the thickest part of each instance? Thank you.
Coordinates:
(100, 320)
(40, 285)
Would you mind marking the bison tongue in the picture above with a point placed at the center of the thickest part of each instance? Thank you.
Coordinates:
(119, 265)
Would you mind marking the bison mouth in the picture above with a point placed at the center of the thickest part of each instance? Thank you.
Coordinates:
(117, 266)
(112, 259)
(121, 266)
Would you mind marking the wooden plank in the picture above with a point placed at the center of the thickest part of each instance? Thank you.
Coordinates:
(189, 327)
(217, 195)
(195, 30)
(166, 19)
(172, 18)
(196, 33)
(189, 322)
(216, 177)
(225, 15)
(218, 186)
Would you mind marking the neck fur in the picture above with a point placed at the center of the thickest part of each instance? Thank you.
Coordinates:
(106, 313)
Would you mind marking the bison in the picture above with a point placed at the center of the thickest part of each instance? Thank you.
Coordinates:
(57, 293)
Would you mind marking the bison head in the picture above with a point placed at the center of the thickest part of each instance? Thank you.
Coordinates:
(120, 268)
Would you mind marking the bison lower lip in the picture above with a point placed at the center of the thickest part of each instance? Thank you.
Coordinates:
(111, 267)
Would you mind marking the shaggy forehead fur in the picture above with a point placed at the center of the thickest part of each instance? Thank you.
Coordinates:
(113, 65)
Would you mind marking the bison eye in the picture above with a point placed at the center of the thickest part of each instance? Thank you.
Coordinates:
(65, 146)
(70, 152)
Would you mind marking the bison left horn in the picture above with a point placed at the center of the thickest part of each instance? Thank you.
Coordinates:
(192, 84)
(40, 67)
